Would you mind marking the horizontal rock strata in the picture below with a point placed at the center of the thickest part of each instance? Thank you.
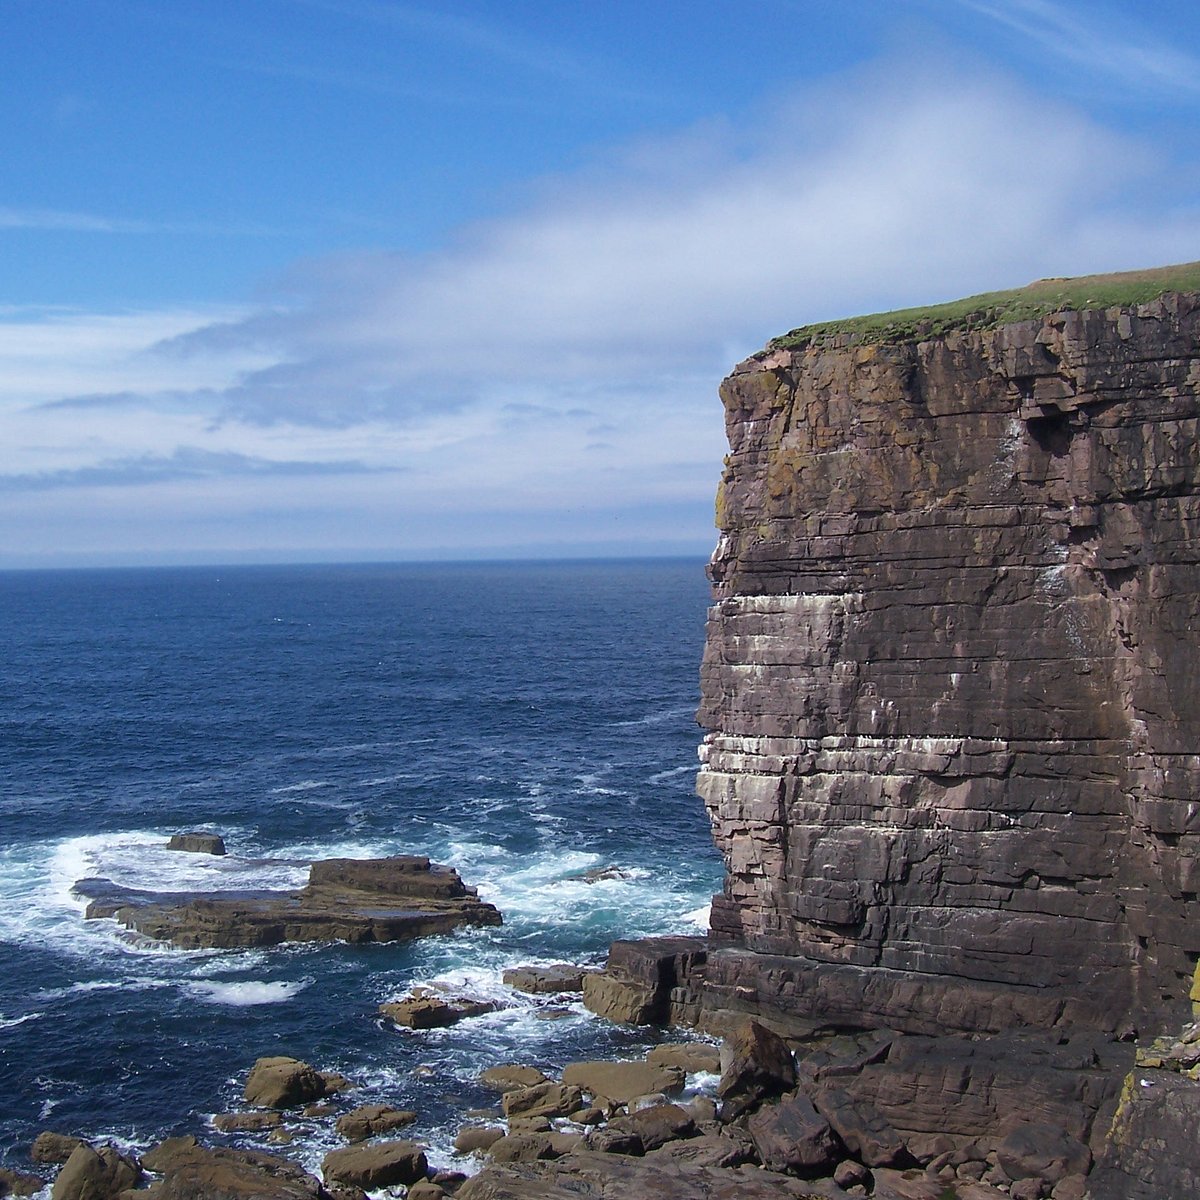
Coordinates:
(350, 900)
(949, 686)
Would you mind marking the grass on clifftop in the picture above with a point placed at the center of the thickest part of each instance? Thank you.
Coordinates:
(990, 309)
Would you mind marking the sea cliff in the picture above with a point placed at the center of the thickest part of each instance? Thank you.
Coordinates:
(952, 712)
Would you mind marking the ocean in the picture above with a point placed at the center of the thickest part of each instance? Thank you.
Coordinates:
(524, 723)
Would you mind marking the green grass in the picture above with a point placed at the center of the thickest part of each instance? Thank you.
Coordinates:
(991, 309)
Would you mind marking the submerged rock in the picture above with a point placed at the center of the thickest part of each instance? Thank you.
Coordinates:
(198, 843)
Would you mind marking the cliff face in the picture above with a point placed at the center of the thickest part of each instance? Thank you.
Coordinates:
(950, 685)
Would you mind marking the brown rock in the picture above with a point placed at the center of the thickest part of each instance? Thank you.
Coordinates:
(17, 1183)
(620, 1000)
(198, 843)
(621, 1082)
(282, 1082)
(530, 1125)
(95, 1174)
(1042, 1152)
(862, 1128)
(793, 1136)
(561, 977)
(246, 1122)
(427, 1010)
(50, 1147)
(473, 1138)
(756, 1065)
(709, 1150)
(592, 1176)
(376, 1165)
(657, 1125)
(848, 1174)
(508, 1076)
(370, 1120)
(522, 1147)
(423, 1189)
(542, 1100)
(691, 1057)
(193, 1172)
(356, 901)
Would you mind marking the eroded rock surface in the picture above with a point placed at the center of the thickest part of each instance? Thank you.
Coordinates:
(949, 687)
(350, 900)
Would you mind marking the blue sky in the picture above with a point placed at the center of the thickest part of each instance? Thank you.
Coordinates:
(288, 280)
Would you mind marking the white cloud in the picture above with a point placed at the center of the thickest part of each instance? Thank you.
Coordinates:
(614, 298)
(1120, 50)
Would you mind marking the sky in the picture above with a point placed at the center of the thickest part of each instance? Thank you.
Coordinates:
(371, 280)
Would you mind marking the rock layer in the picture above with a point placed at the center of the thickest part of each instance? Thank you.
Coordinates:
(949, 691)
(345, 899)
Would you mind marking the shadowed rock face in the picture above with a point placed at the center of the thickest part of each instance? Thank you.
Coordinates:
(950, 684)
(351, 900)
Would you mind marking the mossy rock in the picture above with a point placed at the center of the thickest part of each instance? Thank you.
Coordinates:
(992, 309)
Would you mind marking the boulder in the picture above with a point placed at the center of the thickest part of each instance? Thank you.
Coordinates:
(543, 1100)
(423, 1189)
(687, 1056)
(474, 1138)
(95, 1174)
(756, 1065)
(424, 1009)
(198, 843)
(282, 1082)
(522, 1147)
(544, 981)
(657, 1125)
(194, 1172)
(793, 1136)
(1042, 1152)
(370, 1120)
(863, 1129)
(376, 1165)
(17, 1183)
(612, 1139)
(628, 1002)
(708, 1150)
(621, 1082)
(508, 1076)
(50, 1147)
(246, 1122)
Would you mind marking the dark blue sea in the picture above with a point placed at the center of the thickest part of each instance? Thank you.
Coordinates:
(522, 722)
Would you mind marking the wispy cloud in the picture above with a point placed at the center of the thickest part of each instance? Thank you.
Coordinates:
(53, 220)
(1119, 50)
(184, 463)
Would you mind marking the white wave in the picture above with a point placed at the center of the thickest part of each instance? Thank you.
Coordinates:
(305, 785)
(659, 718)
(12, 1022)
(247, 992)
(699, 917)
(102, 985)
(663, 776)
